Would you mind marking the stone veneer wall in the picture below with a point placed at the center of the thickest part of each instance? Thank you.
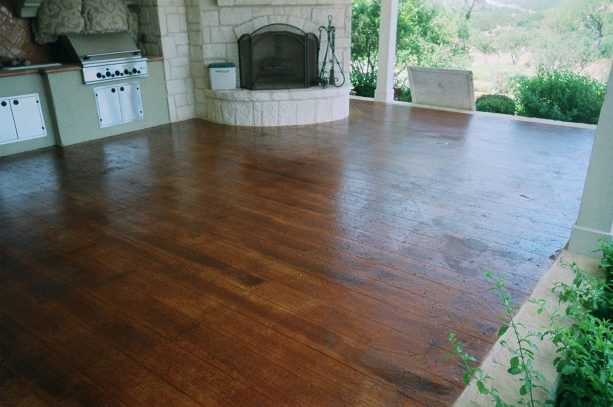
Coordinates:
(195, 33)
(175, 42)
(150, 38)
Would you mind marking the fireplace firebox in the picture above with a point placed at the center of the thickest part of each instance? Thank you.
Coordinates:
(278, 56)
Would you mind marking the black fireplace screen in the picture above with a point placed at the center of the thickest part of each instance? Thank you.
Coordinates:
(278, 56)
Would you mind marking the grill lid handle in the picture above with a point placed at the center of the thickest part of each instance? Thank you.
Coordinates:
(104, 54)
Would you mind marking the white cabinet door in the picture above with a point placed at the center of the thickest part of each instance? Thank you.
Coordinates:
(118, 104)
(130, 101)
(28, 117)
(109, 110)
(7, 125)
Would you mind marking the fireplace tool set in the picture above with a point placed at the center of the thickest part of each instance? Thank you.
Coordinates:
(328, 77)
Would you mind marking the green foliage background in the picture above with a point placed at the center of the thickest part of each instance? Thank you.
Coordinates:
(560, 95)
(496, 104)
(426, 36)
(505, 43)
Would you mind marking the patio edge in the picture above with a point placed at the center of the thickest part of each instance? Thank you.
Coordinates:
(496, 362)
(476, 113)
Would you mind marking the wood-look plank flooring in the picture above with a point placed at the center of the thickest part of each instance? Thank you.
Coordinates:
(325, 265)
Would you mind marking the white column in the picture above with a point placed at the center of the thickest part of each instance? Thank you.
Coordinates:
(387, 51)
(595, 219)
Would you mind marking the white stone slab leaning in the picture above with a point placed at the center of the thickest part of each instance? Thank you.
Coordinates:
(452, 88)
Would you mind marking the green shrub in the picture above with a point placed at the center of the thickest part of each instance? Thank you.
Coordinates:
(585, 349)
(585, 361)
(559, 95)
(496, 104)
(403, 94)
(364, 84)
(605, 310)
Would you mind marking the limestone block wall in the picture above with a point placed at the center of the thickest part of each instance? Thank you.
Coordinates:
(175, 42)
(150, 39)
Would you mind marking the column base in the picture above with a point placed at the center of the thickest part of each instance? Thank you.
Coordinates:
(585, 241)
(384, 95)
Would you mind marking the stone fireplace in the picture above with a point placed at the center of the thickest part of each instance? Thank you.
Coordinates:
(195, 33)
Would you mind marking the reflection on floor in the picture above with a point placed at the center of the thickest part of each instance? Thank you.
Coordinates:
(322, 265)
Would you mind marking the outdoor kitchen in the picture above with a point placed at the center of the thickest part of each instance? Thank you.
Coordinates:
(72, 71)
(87, 70)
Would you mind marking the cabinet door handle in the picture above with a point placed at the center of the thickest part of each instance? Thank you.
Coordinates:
(15, 102)
(3, 103)
(113, 90)
(121, 89)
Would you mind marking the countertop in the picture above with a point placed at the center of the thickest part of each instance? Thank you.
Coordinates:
(56, 69)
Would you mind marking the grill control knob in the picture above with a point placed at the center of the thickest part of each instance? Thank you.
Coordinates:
(134, 70)
(108, 74)
(117, 73)
(98, 75)
(126, 71)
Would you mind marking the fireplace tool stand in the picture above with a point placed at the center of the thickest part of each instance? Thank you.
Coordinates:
(328, 77)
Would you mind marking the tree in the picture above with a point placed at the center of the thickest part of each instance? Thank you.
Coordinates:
(597, 19)
(591, 19)
(426, 36)
(470, 5)
(513, 41)
(365, 20)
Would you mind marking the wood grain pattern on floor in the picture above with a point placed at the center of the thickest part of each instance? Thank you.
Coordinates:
(324, 265)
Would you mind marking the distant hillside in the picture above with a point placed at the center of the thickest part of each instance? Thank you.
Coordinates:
(514, 37)
(534, 5)
(488, 15)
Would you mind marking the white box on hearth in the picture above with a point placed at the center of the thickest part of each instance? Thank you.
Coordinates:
(223, 76)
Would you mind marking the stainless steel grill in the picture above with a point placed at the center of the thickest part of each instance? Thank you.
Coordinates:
(107, 57)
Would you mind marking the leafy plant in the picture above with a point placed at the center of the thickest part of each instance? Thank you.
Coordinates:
(364, 84)
(471, 371)
(585, 294)
(585, 349)
(522, 350)
(606, 264)
(559, 95)
(584, 361)
(403, 94)
(496, 104)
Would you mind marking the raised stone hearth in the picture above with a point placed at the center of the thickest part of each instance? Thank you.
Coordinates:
(277, 107)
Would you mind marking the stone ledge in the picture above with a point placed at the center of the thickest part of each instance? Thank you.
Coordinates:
(291, 107)
(247, 95)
